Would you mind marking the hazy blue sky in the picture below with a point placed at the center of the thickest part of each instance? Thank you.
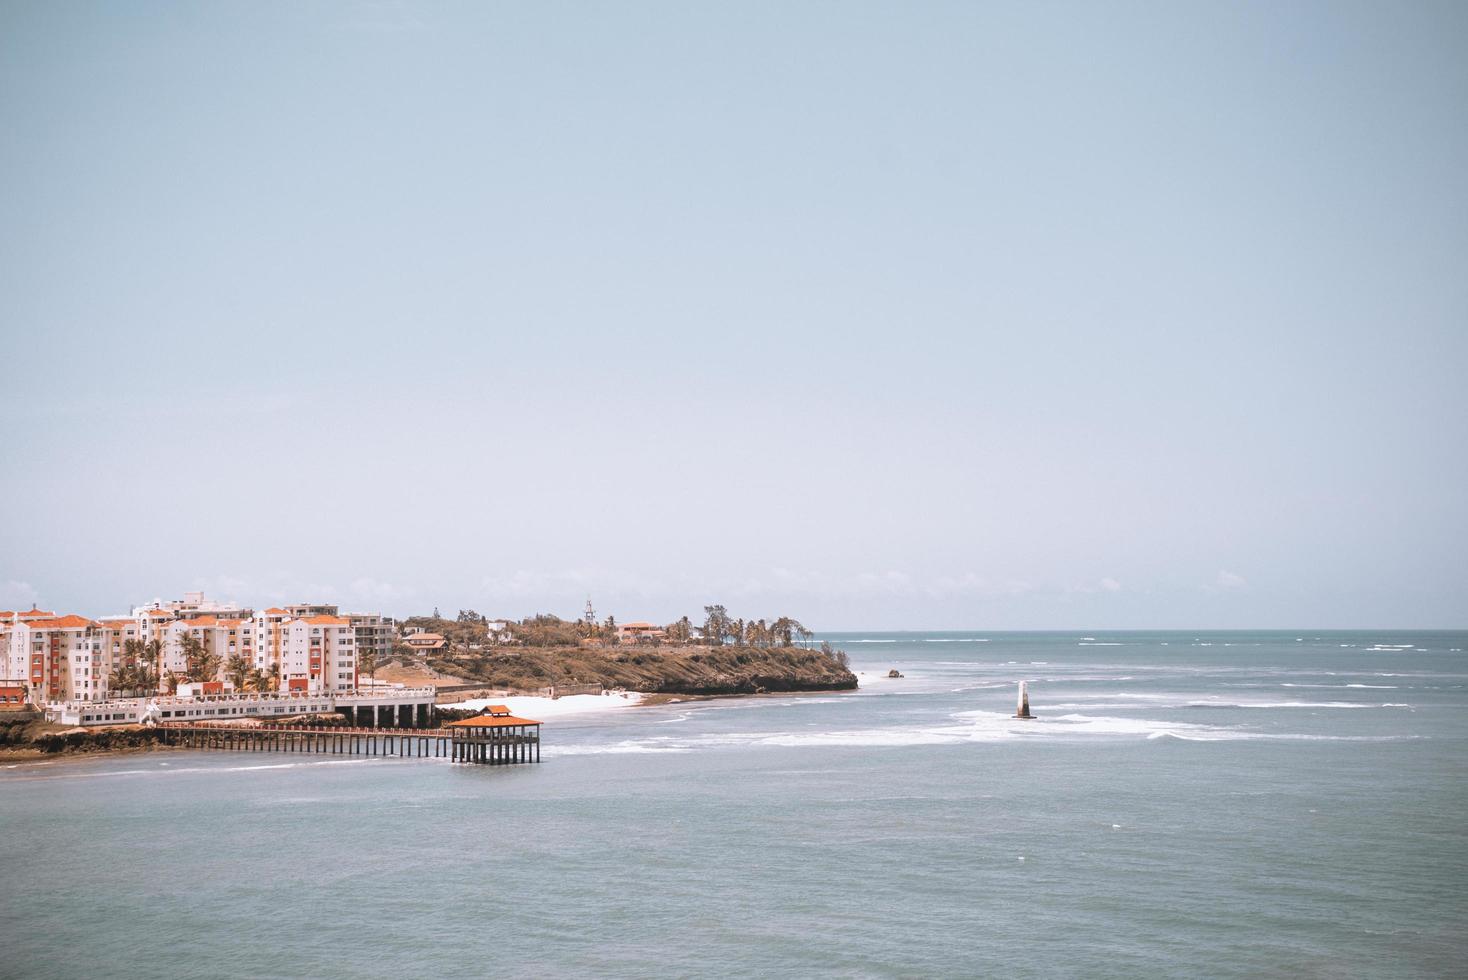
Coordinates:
(885, 315)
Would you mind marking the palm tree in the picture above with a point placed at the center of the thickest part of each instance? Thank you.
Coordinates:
(200, 663)
(237, 668)
(153, 657)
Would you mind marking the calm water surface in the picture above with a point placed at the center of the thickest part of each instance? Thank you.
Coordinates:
(1232, 804)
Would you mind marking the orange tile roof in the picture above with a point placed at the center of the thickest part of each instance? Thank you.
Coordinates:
(61, 623)
(326, 621)
(276, 611)
(34, 613)
(491, 721)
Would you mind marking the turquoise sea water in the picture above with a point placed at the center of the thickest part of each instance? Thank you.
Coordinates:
(1188, 804)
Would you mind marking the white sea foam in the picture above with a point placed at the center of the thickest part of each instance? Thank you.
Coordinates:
(1211, 703)
(543, 708)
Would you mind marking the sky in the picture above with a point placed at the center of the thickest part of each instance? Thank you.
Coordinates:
(881, 315)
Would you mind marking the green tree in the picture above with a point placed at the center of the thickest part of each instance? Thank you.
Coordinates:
(237, 669)
(715, 625)
(150, 654)
(787, 631)
(680, 631)
(837, 655)
(135, 671)
(200, 663)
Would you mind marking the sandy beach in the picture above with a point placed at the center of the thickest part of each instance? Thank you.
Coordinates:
(543, 709)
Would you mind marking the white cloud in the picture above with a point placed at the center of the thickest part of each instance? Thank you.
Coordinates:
(1110, 585)
(1228, 580)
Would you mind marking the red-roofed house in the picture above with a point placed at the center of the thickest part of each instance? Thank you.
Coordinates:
(640, 632)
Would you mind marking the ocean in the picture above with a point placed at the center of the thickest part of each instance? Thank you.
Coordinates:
(1234, 804)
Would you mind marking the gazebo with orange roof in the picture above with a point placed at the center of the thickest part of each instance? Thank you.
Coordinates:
(495, 737)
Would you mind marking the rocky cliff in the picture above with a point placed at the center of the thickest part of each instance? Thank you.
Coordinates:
(657, 670)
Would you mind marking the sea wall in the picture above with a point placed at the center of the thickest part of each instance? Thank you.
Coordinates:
(35, 736)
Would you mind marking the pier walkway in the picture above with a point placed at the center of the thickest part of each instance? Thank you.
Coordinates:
(499, 745)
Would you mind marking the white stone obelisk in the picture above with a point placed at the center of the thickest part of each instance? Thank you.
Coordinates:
(1024, 702)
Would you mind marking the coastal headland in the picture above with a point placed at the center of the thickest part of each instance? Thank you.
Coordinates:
(104, 686)
(689, 670)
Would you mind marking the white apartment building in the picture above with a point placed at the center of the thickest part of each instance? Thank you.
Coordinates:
(59, 657)
(69, 658)
(319, 654)
(376, 634)
(223, 637)
(191, 605)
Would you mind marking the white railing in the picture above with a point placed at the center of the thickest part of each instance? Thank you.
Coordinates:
(266, 697)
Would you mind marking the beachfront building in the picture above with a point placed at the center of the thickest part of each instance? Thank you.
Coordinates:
(375, 634)
(224, 638)
(57, 656)
(71, 658)
(270, 630)
(305, 610)
(319, 653)
(191, 605)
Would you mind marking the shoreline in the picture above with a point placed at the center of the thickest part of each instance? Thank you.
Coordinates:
(534, 706)
(14, 758)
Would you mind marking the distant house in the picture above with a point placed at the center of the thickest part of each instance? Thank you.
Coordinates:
(640, 633)
(424, 642)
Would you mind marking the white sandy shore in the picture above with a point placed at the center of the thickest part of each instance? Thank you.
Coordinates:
(540, 709)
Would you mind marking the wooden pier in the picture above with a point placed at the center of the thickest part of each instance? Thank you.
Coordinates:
(490, 739)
